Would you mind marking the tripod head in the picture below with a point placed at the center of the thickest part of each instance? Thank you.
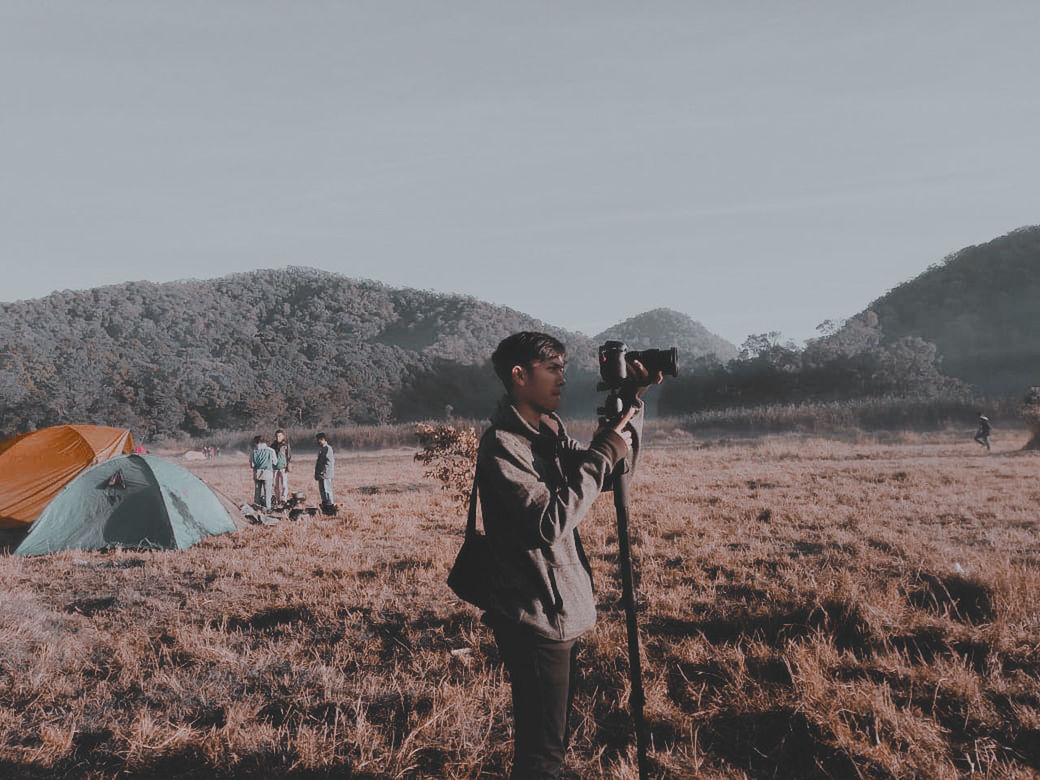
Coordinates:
(618, 401)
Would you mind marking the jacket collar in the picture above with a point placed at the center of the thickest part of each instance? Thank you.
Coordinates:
(508, 418)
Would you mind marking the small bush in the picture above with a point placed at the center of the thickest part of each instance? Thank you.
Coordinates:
(451, 454)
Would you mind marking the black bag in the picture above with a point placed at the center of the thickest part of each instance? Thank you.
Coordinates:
(471, 576)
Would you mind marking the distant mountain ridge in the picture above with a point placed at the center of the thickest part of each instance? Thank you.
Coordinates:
(663, 328)
(980, 307)
(284, 346)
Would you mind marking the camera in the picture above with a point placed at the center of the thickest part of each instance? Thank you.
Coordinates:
(614, 357)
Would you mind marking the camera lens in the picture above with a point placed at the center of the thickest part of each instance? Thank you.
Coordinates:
(664, 360)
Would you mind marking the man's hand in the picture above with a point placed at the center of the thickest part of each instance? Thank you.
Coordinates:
(642, 377)
(622, 429)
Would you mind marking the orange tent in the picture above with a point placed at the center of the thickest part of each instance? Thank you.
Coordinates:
(35, 466)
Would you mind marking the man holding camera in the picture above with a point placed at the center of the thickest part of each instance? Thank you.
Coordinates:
(536, 485)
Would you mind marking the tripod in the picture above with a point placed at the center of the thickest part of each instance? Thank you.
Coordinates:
(618, 401)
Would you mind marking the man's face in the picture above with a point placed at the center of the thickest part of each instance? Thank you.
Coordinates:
(279, 437)
(541, 384)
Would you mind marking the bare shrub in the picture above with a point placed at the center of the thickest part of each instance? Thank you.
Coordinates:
(451, 455)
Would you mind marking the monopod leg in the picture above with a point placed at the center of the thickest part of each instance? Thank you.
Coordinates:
(638, 697)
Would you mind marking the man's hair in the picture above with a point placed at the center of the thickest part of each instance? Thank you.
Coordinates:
(259, 440)
(523, 349)
(279, 431)
(321, 436)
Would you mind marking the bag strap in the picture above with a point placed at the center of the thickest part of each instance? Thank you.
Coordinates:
(471, 521)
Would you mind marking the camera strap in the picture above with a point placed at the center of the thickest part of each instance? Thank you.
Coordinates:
(471, 520)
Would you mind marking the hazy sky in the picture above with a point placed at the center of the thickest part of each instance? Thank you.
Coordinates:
(759, 166)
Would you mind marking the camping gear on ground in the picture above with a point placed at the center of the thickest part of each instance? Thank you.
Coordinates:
(35, 466)
(129, 501)
(296, 507)
(256, 516)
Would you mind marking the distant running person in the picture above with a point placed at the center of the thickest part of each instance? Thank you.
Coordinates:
(982, 434)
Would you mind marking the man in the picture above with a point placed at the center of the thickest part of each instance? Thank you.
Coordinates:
(982, 434)
(262, 460)
(283, 459)
(323, 469)
(536, 485)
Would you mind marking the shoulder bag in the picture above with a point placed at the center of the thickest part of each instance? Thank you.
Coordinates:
(471, 575)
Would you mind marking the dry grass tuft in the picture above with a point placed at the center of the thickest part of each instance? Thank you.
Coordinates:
(809, 607)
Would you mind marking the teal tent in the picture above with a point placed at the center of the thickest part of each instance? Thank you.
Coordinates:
(128, 501)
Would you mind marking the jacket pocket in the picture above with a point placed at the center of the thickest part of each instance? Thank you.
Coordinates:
(571, 587)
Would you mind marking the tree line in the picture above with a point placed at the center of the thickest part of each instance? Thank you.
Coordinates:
(849, 361)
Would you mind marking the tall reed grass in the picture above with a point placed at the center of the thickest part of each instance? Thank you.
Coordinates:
(870, 414)
(864, 415)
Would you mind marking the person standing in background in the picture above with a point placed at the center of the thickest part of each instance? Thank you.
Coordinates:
(324, 468)
(283, 459)
(262, 461)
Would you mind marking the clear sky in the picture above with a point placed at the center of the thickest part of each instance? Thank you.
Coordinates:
(759, 166)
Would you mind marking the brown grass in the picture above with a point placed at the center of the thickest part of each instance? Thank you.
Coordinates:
(809, 608)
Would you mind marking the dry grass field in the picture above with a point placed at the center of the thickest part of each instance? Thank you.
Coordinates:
(858, 607)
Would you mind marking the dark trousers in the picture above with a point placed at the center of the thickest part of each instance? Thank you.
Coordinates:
(542, 674)
(983, 439)
(325, 490)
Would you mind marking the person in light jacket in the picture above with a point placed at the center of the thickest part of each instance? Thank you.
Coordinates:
(324, 468)
(262, 460)
(536, 486)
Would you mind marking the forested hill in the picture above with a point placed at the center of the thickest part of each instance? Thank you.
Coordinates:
(290, 346)
(981, 308)
(294, 345)
(663, 328)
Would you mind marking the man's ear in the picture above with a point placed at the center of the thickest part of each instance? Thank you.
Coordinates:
(519, 374)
